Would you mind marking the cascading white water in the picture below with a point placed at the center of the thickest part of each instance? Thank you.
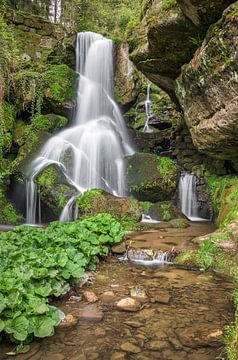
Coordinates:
(149, 111)
(188, 196)
(91, 153)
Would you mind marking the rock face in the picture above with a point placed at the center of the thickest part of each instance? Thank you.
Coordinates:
(163, 43)
(207, 91)
(40, 40)
(127, 78)
(205, 12)
(152, 178)
(98, 201)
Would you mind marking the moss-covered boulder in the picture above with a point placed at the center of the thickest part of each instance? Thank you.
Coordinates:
(152, 178)
(207, 91)
(96, 201)
(54, 189)
(51, 90)
(163, 42)
(165, 211)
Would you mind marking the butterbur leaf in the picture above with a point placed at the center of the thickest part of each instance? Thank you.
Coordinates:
(18, 327)
(44, 326)
(22, 349)
(44, 290)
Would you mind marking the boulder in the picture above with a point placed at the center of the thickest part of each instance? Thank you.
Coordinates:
(152, 178)
(128, 304)
(162, 43)
(207, 91)
(54, 189)
(98, 201)
(53, 90)
(165, 211)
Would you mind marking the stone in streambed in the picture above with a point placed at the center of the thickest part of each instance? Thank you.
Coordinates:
(162, 297)
(90, 297)
(128, 304)
(139, 293)
(107, 297)
(68, 320)
(118, 356)
(130, 348)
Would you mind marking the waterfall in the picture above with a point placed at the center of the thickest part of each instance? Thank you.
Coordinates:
(188, 196)
(149, 111)
(91, 153)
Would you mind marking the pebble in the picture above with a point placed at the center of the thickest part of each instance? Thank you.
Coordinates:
(138, 292)
(162, 297)
(118, 356)
(129, 347)
(78, 357)
(156, 345)
(134, 324)
(100, 332)
(68, 320)
(107, 297)
(90, 297)
(128, 304)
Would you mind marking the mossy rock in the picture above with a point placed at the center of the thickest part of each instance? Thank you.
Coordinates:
(52, 89)
(188, 259)
(54, 189)
(152, 178)
(165, 211)
(96, 201)
(180, 223)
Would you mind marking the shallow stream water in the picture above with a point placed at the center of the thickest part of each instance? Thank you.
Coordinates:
(182, 318)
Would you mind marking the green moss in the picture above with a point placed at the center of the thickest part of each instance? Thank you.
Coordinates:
(8, 214)
(48, 177)
(187, 258)
(85, 202)
(166, 212)
(146, 205)
(169, 4)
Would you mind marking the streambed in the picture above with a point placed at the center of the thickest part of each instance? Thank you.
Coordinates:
(182, 318)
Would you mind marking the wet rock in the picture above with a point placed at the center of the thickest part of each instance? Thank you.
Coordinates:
(119, 249)
(100, 332)
(134, 324)
(68, 320)
(151, 178)
(156, 345)
(162, 297)
(118, 356)
(128, 304)
(139, 293)
(107, 297)
(180, 223)
(130, 348)
(200, 335)
(90, 313)
(165, 211)
(90, 297)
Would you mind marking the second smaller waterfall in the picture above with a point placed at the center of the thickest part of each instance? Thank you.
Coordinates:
(188, 197)
(149, 112)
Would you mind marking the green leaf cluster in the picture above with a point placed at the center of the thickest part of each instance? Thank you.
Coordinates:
(37, 263)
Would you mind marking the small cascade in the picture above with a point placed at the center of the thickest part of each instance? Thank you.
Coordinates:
(188, 196)
(91, 153)
(147, 219)
(149, 111)
(148, 257)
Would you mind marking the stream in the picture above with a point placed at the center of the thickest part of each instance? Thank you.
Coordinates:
(181, 315)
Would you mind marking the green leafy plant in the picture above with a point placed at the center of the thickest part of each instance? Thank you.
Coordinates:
(206, 254)
(36, 264)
